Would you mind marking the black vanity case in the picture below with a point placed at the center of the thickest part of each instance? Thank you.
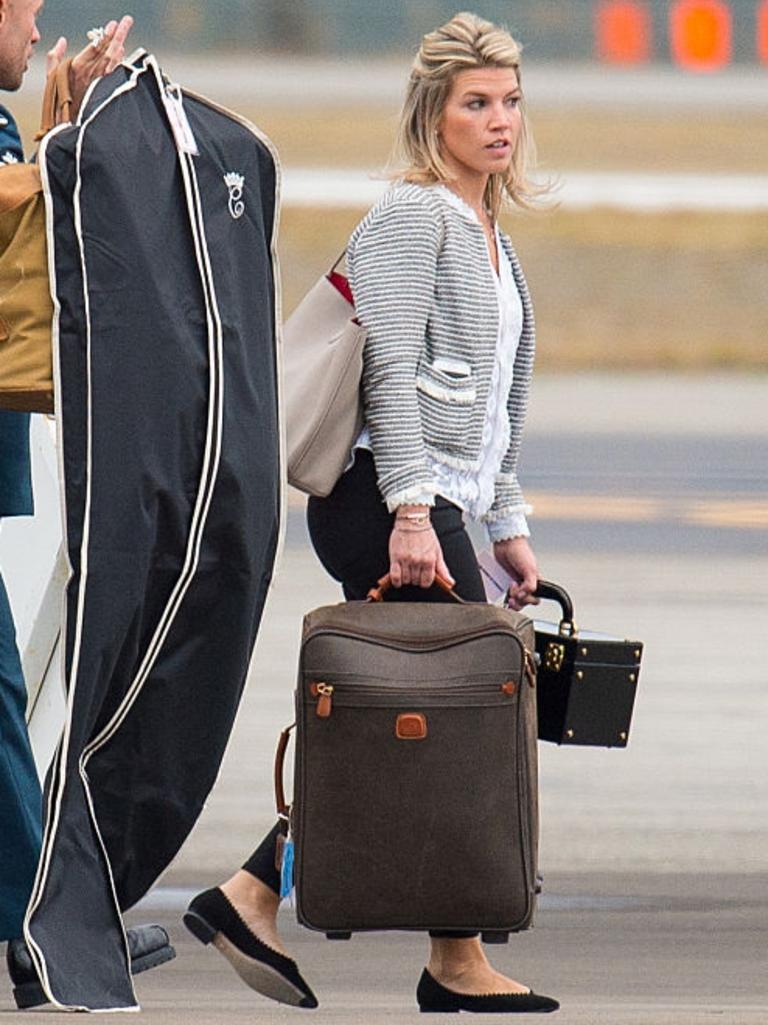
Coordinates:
(586, 681)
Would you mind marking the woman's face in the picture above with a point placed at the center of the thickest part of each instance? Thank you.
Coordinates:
(481, 122)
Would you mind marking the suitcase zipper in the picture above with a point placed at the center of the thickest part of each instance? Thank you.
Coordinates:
(422, 643)
(530, 667)
(324, 692)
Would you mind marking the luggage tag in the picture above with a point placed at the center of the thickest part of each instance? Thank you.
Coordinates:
(496, 580)
(286, 871)
(284, 858)
(177, 116)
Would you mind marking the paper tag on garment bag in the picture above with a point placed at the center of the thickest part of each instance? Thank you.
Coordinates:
(177, 116)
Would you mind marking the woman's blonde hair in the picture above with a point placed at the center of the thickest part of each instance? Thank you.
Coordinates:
(465, 42)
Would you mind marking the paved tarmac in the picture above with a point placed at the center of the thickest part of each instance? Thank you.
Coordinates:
(655, 909)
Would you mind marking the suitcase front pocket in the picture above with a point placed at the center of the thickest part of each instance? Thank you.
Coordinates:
(411, 806)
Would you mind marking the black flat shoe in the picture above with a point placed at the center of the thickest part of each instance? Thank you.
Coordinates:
(432, 996)
(212, 919)
(148, 946)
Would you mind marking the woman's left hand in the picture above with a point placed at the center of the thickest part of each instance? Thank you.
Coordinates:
(94, 61)
(517, 558)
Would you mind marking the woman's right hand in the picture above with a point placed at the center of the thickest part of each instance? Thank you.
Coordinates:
(415, 556)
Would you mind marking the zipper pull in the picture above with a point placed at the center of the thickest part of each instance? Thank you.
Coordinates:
(324, 699)
(530, 668)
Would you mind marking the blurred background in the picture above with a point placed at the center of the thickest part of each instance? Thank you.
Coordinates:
(649, 118)
(646, 454)
(630, 31)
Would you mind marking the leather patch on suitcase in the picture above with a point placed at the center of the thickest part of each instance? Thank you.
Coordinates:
(411, 726)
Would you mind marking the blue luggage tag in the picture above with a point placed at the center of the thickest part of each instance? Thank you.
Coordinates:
(286, 869)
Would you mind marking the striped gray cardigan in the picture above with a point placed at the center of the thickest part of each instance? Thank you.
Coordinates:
(424, 290)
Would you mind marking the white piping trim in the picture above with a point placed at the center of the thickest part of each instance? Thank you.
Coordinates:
(205, 494)
(210, 463)
(198, 227)
(59, 773)
(199, 519)
(55, 345)
(202, 251)
(278, 325)
(207, 486)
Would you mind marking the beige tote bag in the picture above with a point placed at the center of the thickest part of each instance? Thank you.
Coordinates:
(322, 369)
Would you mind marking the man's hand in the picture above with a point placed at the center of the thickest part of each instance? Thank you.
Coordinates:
(94, 61)
(517, 558)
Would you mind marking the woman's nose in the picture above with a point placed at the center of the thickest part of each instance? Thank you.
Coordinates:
(501, 115)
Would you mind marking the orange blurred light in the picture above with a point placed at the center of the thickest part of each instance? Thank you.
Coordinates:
(701, 33)
(762, 31)
(623, 31)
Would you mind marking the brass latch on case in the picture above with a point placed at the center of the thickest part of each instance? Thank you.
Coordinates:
(554, 656)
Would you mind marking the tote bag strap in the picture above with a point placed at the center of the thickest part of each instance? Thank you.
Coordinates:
(57, 100)
(339, 258)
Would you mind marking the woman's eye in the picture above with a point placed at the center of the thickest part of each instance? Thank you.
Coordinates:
(475, 104)
(513, 101)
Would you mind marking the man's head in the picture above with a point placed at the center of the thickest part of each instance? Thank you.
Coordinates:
(18, 36)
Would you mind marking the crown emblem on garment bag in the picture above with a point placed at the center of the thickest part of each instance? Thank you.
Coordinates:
(235, 183)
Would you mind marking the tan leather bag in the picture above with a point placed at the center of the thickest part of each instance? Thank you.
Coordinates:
(26, 308)
(322, 368)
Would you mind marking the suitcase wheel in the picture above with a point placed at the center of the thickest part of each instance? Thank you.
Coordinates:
(539, 887)
(495, 937)
(338, 935)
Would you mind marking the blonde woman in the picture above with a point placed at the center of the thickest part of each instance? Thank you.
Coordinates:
(447, 369)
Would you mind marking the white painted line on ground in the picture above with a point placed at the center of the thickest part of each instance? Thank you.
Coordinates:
(727, 513)
(334, 187)
(316, 84)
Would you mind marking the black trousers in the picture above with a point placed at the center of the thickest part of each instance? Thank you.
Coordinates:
(350, 532)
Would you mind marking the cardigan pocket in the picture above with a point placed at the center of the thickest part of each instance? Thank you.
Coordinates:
(449, 381)
(446, 402)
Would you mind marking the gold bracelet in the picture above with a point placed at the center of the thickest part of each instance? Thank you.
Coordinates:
(422, 517)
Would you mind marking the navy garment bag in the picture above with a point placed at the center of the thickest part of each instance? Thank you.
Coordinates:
(162, 211)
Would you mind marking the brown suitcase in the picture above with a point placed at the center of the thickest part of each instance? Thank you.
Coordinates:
(416, 803)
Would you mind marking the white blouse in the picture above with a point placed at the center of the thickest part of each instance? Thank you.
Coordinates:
(473, 491)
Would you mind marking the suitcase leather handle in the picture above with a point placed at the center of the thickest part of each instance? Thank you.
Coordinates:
(385, 584)
(554, 592)
(283, 808)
